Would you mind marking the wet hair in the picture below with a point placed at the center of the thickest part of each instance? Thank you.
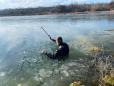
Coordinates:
(59, 39)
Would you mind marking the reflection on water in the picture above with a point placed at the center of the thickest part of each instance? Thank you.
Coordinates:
(22, 40)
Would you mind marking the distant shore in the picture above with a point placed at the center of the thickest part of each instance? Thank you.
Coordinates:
(61, 9)
(78, 13)
(95, 12)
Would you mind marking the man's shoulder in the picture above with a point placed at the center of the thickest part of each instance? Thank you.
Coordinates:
(65, 44)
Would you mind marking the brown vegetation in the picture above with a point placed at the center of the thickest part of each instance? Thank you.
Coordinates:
(73, 8)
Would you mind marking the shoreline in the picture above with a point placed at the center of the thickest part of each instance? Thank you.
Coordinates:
(111, 12)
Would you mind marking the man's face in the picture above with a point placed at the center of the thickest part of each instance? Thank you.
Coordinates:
(57, 42)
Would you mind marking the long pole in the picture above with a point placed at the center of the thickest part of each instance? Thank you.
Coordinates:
(45, 32)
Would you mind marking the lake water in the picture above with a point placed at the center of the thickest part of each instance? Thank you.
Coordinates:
(22, 40)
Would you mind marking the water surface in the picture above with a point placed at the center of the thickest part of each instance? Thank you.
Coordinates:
(21, 41)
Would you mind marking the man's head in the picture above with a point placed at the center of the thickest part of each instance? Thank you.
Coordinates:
(59, 40)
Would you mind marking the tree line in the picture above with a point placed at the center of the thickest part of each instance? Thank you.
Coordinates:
(58, 9)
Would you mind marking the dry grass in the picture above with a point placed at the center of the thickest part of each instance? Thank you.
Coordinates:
(100, 67)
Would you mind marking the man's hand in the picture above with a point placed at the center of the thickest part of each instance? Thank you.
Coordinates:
(50, 37)
(44, 51)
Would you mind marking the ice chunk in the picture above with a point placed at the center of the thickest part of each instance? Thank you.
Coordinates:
(65, 73)
(2, 74)
(45, 73)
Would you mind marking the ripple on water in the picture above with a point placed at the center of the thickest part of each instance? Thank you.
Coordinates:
(2, 74)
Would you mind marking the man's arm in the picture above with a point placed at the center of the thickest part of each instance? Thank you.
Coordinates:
(52, 39)
(55, 55)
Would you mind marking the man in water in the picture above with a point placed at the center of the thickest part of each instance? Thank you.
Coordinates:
(61, 52)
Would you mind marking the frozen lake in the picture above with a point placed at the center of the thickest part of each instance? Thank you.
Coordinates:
(21, 41)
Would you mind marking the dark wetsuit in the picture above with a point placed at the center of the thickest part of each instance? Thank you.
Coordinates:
(61, 53)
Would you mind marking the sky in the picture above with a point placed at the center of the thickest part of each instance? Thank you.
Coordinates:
(4, 4)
